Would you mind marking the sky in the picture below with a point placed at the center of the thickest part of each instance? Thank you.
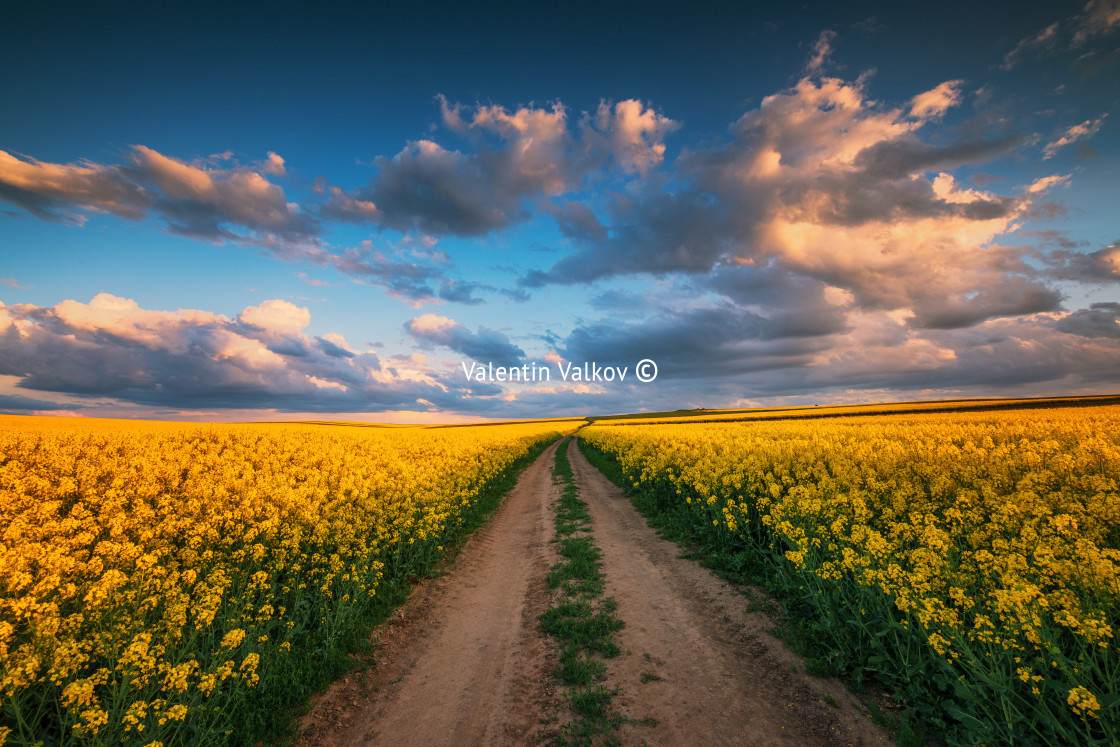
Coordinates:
(221, 213)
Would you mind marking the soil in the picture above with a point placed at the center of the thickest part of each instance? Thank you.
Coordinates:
(464, 662)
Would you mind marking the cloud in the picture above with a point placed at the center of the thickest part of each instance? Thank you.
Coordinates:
(903, 156)
(430, 189)
(576, 220)
(61, 192)
(822, 50)
(700, 342)
(1101, 266)
(214, 199)
(1044, 40)
(1012, 296)
(345, 207)
(277, 315)
(935, 102)
(460, 291)
(1046, 182)
(218, 204)
(485, 345)
(1082, 131)
(715, 354)
(273, 165)
(335, 345)
(654, 232)
(821, 182)
(1099, 320)
(24, 405)
(822, 243)
(198, 199)
(515, 156)
(630, 132)
(1100, 17)
(191, 359)
(413, 277)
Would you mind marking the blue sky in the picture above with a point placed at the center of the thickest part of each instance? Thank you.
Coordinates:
(224, 213)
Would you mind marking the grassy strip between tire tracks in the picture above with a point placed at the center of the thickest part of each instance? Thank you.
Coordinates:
(581, 619)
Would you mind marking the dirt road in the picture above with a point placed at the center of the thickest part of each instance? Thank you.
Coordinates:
(465, 662)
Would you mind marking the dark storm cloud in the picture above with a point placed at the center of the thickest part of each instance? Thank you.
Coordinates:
(1013, 296)
(796, 306)
(1004, 354)
(653, 232)
(1101, 266)
(13, 403)
(576, 221)
(696, 343)
(899, 158)
(435, 191)
(1099, 320)
(331, 349)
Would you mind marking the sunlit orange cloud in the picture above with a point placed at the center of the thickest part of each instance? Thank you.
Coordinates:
(937, 101)
(197, 198)
(56, 191)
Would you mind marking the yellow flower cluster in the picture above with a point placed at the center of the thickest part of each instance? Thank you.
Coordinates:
(148, 571)
(995, 536)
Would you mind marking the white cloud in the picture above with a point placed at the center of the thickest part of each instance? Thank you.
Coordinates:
(277, 315)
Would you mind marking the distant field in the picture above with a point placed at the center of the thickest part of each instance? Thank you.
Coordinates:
(810, 411)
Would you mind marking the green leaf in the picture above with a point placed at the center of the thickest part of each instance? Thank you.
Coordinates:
(969, 721)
